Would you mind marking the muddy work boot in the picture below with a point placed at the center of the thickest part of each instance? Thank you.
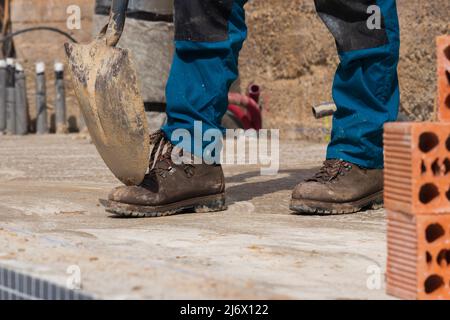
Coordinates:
(339, 187)
(170, 188)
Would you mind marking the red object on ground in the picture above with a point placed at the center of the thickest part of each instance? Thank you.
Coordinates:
(443, 61)
(241, 115)
(418, 263)
(254, 92)
(250, 117)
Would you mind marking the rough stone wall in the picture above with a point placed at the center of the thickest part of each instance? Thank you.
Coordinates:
(291, 54)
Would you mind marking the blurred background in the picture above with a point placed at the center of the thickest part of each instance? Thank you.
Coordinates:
(289, 54)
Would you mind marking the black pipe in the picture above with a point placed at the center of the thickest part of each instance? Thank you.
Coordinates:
(117, 22)
(9, 36)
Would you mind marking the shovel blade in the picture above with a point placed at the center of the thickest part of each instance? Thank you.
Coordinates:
(106, 85)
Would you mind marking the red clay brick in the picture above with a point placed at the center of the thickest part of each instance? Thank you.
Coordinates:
(443, 68)
(417, 167)
(418, 264)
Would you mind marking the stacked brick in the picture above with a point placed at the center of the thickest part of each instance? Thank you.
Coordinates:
(417, 199)
(443, 44)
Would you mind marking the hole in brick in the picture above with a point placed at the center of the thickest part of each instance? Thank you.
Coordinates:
(446, 166)
(433, 283)
(447, 102)
(447, 52)
(443, 258)
(447, 73)
(429, 258)
(428, 141)
(447, 143)
(428, 193)
(434, 232)
(423, 167)
(447, 194)
(436, 168)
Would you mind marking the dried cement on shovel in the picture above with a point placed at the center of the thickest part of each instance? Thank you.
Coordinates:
(106, 85)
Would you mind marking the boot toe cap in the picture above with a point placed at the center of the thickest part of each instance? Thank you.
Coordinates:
(310, 191)
(117, 193)
(131, 195)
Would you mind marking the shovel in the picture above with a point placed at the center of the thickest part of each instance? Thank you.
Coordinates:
(106, 85)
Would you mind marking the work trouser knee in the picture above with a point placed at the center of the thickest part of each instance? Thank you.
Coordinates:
(365, 88)
(208, 37)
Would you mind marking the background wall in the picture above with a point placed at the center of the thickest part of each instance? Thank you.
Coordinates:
(290, 52)
(48, 47)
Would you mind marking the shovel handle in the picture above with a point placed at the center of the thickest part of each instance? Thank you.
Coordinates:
(116, 22)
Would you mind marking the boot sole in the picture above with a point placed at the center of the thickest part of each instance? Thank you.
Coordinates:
(313, 207)
(205, 204)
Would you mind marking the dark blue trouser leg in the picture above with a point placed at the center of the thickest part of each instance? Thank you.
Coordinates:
(365, 88)
(209, 36)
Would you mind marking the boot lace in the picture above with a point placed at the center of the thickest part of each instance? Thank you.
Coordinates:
(162, 152)
(332, 169)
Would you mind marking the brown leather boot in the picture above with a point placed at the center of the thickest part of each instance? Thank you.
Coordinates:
(339, 187)
(170, 188)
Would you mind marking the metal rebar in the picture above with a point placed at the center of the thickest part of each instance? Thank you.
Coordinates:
(60, 101)
(21, 102)
(41, 100)
(2, 95)
(10, 97)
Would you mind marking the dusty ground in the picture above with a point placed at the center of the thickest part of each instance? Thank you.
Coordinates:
(291, 53)
(50, 220)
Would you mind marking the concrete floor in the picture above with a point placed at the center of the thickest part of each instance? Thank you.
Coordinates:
(50, 220)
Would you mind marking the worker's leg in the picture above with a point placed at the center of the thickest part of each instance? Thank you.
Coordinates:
(209, 36)
(366, 93)
(365, 89)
